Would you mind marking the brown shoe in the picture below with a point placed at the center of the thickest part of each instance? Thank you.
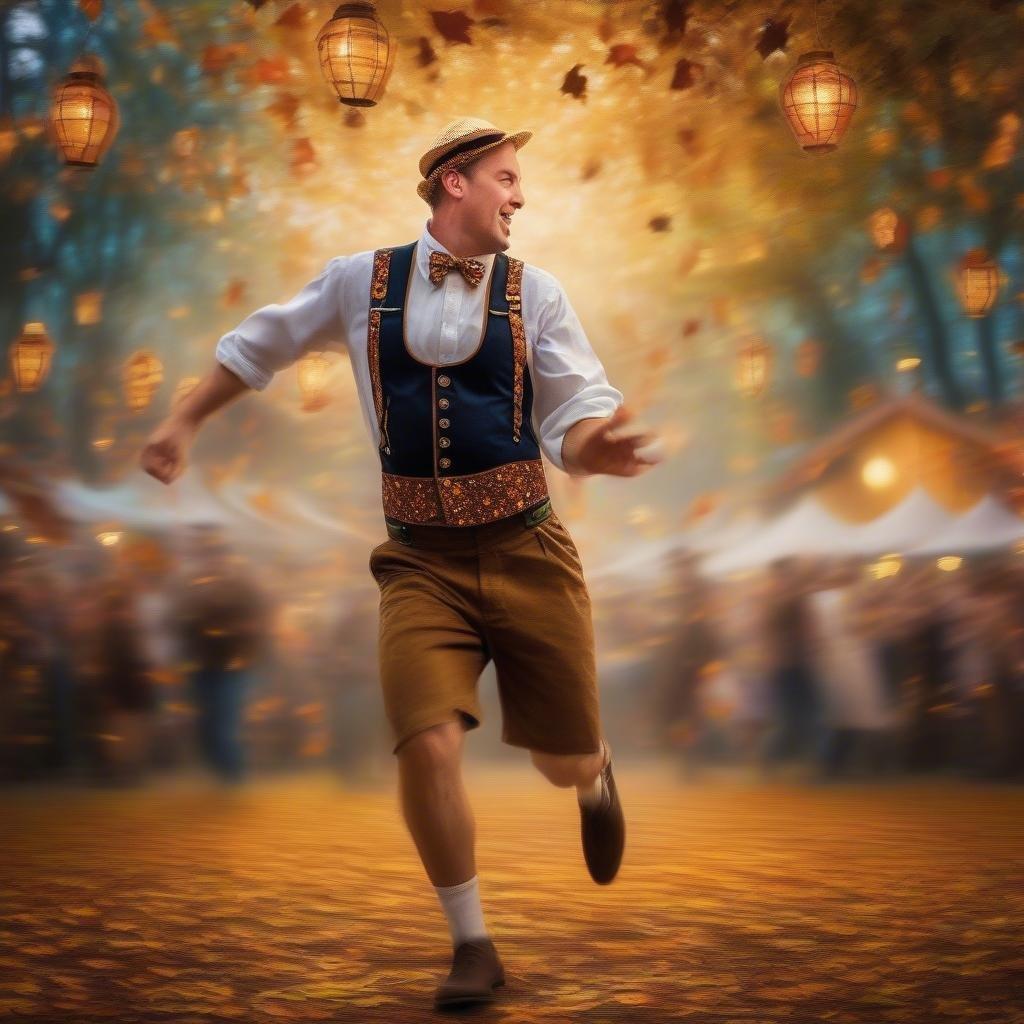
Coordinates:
(604, 831)
(476, 972)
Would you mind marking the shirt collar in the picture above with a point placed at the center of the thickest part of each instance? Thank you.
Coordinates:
(428, 242)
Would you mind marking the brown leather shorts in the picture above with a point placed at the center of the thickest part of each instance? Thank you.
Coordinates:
(453, 598)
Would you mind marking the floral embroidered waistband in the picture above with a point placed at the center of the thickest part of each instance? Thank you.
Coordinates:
(465, 500)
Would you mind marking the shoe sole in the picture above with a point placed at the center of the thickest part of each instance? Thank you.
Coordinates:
(483, 997)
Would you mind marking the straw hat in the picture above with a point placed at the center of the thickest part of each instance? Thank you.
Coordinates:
(460, 141)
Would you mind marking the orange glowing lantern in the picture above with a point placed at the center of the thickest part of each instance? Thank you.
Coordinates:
(753, 366)
(88, 308)
(141, 376)
(356, 54)
(313, 381)
(83, 114)
(31, 354)
(819, 99)
(978, 283)
(808, 357)
(889, 230)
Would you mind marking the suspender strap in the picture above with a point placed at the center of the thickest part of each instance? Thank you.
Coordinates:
(378, 292)
(513, 295)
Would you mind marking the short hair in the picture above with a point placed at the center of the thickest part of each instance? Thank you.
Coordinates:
(437, 193)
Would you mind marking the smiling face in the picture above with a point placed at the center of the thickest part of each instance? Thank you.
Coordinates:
(479, 201)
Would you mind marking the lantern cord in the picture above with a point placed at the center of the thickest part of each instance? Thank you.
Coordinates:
(817, 26)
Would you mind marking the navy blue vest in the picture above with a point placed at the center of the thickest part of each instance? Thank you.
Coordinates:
(457, 444)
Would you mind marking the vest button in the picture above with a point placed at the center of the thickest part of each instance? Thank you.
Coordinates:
(444, 381)
(445, 464)
(444, 424)
(444, 442)
(387, 451)
(442, 403)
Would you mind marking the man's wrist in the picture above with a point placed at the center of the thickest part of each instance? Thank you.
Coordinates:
(573, 441)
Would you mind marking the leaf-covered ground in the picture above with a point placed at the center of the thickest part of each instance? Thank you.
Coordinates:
(301, 899)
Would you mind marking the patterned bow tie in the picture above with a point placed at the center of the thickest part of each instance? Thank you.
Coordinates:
(442, 262)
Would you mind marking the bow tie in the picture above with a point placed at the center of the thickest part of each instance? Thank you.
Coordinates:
(441, 262)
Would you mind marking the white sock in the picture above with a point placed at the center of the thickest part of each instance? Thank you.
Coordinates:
(461, 905)
(592, 794)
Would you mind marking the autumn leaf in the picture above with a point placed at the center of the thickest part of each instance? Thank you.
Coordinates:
(233, 293)
(426, 53)
(688, 140)
(92, 9)
(453, 25)
(303, 156)
(575, 84)
(690, 328)
(774, 36)
(660, 223)
(591, 169)
(285, 107)
(218, 57)
(675, 13)
(354, 118)
(157, 29)
(293, 17)
(684, 74)
(268, 71)
(623, 53)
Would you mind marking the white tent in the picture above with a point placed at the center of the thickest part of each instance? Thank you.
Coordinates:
(806, 528)
(915, 519)
(989, 524)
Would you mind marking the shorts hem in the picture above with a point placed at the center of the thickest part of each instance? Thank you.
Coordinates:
(469, 719)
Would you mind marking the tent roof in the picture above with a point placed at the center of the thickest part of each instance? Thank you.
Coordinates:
(990, 524)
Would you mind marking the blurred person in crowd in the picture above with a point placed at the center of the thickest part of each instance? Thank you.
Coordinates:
(688, 660)
(857, 714)
(795, 697)
(122, 682)
(223, 618)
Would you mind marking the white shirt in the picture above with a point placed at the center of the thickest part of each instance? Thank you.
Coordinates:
(443, 325)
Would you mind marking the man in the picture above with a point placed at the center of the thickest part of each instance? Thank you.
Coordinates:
(468, 364)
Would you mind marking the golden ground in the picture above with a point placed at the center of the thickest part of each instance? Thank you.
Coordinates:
(301, 899)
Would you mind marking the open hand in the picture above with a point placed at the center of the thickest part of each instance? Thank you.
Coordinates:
(611, 447)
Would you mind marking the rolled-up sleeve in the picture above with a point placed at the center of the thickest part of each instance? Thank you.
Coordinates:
(274, 337)
(569, 382)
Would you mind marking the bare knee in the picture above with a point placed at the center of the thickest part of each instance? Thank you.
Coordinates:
(566, 770)
(434, 749)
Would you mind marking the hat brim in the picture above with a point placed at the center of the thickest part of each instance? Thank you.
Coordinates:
(426, 185)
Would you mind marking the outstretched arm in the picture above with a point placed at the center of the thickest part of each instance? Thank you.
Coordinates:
(166, 451)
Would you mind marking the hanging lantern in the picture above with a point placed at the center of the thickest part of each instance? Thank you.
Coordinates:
(753, 366)
(313, 381)
(31, 354)
(141, 376)
(819, 99)
(83, 114)
(185, 388)
(978, 283)
(356, 54)
(808, 357)
(88, 308)
(889, 230)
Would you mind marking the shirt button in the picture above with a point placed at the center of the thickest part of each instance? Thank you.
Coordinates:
(444, 464)
(442, 403)
(444, 424)
(444, 381)
(444, 442)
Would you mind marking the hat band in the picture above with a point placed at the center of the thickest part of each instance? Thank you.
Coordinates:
(466, 147)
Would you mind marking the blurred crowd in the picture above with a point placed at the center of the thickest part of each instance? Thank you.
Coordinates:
(834, 668)
(121, 662)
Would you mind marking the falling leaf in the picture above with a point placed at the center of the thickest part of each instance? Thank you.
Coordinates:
(426, 55)
(575, 84)
(605, 29)
(293, 17)
(303, 156)
(591, 169)
(286, 106)
(217, 58)
(690, 328)
(684, 74)
(354, 118)
(688, 140)
(675, 14)
(660, 223)
(774, 36)
(453, 25)
(269, 71)
(157, 29)
(92, 9)
(233, 293)
(623, 53)
(1003, 148)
